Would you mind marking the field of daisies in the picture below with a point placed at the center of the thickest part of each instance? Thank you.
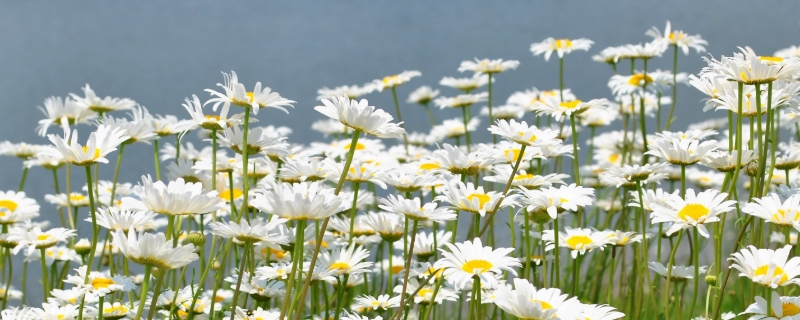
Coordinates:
(550, 220)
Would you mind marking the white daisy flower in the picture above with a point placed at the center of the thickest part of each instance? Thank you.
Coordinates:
(679, 273)
(235, 93)
(256, 231)
(560, 47)
(175, 198)
(767, 267)
(678, 38)
(92, 102)
(694, 211)
(153, 250)
(361, 116)
(392, 81)
(100, 143)
(64, 113)
(487, 66)
(471, 259)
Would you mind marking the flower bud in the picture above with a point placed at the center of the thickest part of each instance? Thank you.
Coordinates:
(83, 247)
(198, 239)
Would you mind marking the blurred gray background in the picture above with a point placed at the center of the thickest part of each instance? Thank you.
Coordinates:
(159, 53)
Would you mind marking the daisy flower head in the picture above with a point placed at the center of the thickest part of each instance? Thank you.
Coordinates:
(454, 160)
(790, 52)
(346, 260)
(773, 210)
(99, 283)
(577, 240)
(461, 100)
(725, 161)
(523, 134)
(153, 250)
(622, 238)
(381, 303)
(422, 95)
(553, 106)
(505, 112)
(767, 267)
(629, 176)
(488, 66)
(610, 55)
(235, 93)
(748, 68)
(258, 141)
(392, 81)
(600, 312)
(100, 143)
(413, 209)
(466, 84)
(679, 273)
(681, 151)
(644, 51)
(92, 102)
(560, 47)
(552, 201)
(114, 219)
(469, 259)
(453, 128)
(468, 198)
(388, 225)
(301, 169)
(626, 85)
(407, 179)
(16, 207)
(782, 308)
(176, 198)
(255, 232)
(360, 171)
(694, 211)
(64, 112)
(209, 121)
(36, 239)
(352, 92)
(525, 180)
(359, 115)
(524, 301)
(678, 38)
(300, 201)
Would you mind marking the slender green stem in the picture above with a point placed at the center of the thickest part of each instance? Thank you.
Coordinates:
(575, 163)
(353, 213)
(156, 160)
(116, 175)
(340, 299)
(696, 262)
(465, 117)
(427, 107)
(318, 244)
(60, 209)
(400, 117)
(45, 285)
(408, 262)
(94, 223)
(235, 300)
(143, 295)
(674, 86)
(505, 192)
(24, 177)
(297, 268)
(246, 178)
(557, 253)
(156, 293)
(670, 264)
(561, 78)
(214, 161)
(100, 307)
(489, 103)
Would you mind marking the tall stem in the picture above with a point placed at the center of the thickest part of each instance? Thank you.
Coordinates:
(489, 102)
(465, 117)
(674, 86)
(156, 162)
(94, 223)
(116, 175)
(353, 213)
(246, 179)
(399, 117)
(24, 177)
(575, 163)
(669, 273)
(45, 285)
(408, 265)
(695, 260)
(143, 295)
(318, 244)
(235, 299)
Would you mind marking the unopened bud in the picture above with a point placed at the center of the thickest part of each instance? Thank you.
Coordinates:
(198, 239)
(83, 247)
(711, 280)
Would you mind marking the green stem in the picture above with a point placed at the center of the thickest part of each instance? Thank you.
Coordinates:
(489, 102)
(556, 252)
(400, 117)
(156, 293)
(669, 273)
(45, 285)
(430, 113)
(94, 223)
(695, 258)
(575, 163)
(408, 263)
(155, 160)
(353, 213)
(143, 295)
(116, 175)
(246, 179)
(100, 307)
(24, 177)
(235, 299)
(465, 117)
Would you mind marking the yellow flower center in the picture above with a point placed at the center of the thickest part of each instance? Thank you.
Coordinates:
(479, 264)
(387, 80)
(424, 292)
(353, 170)
(429, 166)
(673, 37)
(613, 158)
(8, 205)
(570, 104)
(762, 270)
(789, 309)
(116, 309)
(532, 139)
(523, 176)
(96, 152)
(482, 198)
(212, 117)
(695, 211)
(579, 242)
(226, 195)
(512, 153)
(359, 146)
(102, 283)
(43, 237)
(341, 266)
(770, 59)
(563, 44)
(544, 305)
(639, 79)
(397, 269)
(76, 197)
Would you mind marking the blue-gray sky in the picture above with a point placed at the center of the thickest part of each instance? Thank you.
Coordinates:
(157, 53)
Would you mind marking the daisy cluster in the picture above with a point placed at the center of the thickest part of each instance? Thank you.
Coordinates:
(374, 222)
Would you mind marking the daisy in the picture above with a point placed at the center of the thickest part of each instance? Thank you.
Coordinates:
(560, 47)
(406, 179)
(471, 259)
(552, 201)
(235, 93)
(678, 38)
(466, 84)
(526, 302)
(626, 85)
(644, 51)
(35, 239)
(773, 210)
(694, 211)
(748, 68)
(526, 180)
(577, 240)
(425, 295)
(209, 122)
(725, 161)
(462, 100)
(346, 260)
(62, 112)
(16, 207)
(610, 55)
(782, 308)
(488, 66)
(629, 176)
(379, 304)
(296, 170)
(138, 129)
(176, 198)
(505, 112)
(413, 209)
(422, 95)
(352, 92)
(453, 128)
(257, 231)
(115, 219)
(330, 127)
(361, 116)
(47, 157)
(394, 80)
(600, 312)
(553, 106)
(184, 168)
(153, 250)
(21, 150)
(523, 134)
(92, 102)
(280, 270)
(388, 225)
(679, 273)
(116, 310)
(683, 152)
(101, 142)
(622, 238)
(453, 159)
(425, 246)
(767, 267)
(468, 198)
(233, 138)
(100, 284)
